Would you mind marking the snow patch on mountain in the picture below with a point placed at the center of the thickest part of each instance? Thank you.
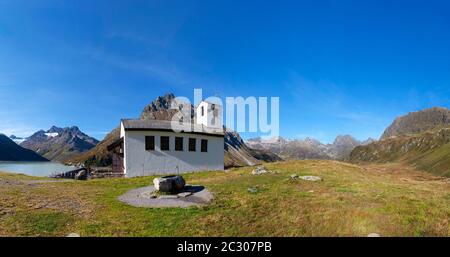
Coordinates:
(54, 134)
(17, 140)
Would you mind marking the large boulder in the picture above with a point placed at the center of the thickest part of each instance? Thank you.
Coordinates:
(169, 184)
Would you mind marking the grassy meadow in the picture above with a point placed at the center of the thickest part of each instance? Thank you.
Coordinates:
(351, 200)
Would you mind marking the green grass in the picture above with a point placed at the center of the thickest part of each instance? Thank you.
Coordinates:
(41, 223)
(350, 201)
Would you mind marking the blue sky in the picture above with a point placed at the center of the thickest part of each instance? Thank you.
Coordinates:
(339, 67)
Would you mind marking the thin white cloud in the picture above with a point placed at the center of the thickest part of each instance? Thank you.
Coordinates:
(325, 97)
(163, 70)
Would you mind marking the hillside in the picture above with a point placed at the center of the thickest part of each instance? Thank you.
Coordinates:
(10, 151)
(236, 151)
(420, 139)
(416, 122)
(59, 144)
(351, 200)
(303, 149)
(428, 151)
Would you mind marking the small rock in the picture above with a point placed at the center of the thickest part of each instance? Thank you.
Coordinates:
(294, 176)
(148, 194)
(259, 171)
(311, 178)
(185, 194)
(311, 191)
(73, 235)
(373, 235)
(252, 190)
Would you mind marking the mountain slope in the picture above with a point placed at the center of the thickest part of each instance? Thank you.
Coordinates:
(10, 151)
(416, 122)
(59, 144)
(420, 139)
(236, 151)
(427, 151)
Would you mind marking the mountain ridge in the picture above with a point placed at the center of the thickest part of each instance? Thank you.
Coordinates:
(59, 144)
(11, 151)
(308, 148)
(420, 139)
(418, 121)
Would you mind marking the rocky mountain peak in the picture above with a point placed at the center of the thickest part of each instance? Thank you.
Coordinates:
(59, 144)
(312, 141)
(416, 122)
(159, 109)
(55, 129)
(368, 141)
(346, 140)
(160, 103)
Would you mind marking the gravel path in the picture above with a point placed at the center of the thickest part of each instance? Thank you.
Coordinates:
(140, 198)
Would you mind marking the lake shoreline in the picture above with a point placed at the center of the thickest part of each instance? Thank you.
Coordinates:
(35, 168)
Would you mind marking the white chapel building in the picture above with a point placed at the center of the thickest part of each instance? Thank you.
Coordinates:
(152, 147)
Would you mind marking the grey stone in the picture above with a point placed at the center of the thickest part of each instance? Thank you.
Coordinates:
(185, 194)
(294, 176)
(311, 178)
(252, 190)
(373, 235)
(169, 184)
(162, 184)
(260, 171)
(73, 235)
